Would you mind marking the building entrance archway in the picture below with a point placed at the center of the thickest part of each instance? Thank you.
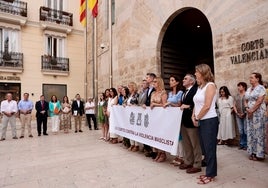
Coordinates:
(186, 42)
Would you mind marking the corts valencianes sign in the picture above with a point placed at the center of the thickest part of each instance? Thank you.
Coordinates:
(251, 51)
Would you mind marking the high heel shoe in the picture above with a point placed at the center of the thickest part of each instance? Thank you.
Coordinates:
(158, 156)
(162, 157)
(130, 148)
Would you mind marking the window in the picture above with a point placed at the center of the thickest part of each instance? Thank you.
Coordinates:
(55, 46)
(55, 4)
(9, 40)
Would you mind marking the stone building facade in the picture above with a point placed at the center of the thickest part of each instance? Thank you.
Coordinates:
(42, 48)
(170, 37)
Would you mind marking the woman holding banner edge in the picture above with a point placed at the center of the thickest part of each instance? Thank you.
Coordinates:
(174, 100)
(159, 99)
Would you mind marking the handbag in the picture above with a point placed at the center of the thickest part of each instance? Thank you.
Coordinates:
(56, 111)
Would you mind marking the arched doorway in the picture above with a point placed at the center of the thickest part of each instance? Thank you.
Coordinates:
(186, 42)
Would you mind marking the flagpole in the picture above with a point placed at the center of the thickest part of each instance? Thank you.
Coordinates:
(85, 32)
(110, 45)
(95, 80)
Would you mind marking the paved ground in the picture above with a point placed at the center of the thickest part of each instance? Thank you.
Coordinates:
(82, 160)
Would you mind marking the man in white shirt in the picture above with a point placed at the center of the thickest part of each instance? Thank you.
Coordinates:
(9, 109)
(90, 113)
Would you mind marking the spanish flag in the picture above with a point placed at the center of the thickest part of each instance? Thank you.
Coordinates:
(93, 6)
(83, 12)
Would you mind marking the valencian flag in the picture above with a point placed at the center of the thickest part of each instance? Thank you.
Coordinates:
(83, 12)
(93, 6)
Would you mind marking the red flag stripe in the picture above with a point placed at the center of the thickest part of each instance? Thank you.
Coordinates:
(83, 12)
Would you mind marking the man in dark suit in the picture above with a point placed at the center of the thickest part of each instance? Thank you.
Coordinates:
(149, 78)
(41, 108)
(190, 136)
(78, 111)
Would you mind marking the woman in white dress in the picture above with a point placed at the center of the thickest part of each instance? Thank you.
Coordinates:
(227, 127)
(113, 100)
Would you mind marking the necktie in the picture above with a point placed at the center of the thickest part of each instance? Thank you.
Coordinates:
(185, 93)
(42, 103)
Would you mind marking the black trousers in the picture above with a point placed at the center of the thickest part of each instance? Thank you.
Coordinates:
(147, 148)
(93, 117)
(41, 120)
(208, 131)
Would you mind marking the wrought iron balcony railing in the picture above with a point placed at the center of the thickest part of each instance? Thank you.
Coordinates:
(12, 60)
(56, 16)
(14, 7)
(54, 63)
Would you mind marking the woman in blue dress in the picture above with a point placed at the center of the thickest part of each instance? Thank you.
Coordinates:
(174, 100)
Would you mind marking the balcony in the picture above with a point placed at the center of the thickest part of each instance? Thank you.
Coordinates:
(55, 65)
(13, 11)
(56, 19)
(11, 62)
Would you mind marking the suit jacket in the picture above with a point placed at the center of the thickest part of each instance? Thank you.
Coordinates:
(148, 97)
(142, 97)
(80, 110)
(187, 113)
(38, 108)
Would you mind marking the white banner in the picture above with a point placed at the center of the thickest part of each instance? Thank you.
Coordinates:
(158, 127)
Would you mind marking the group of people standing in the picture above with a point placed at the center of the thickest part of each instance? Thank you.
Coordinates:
(199, 120)
(208, 117)
(248, 108)
(60, 113)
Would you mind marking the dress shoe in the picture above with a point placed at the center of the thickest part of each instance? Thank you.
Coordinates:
(241, 147)
(90, 129)
(75, 131)
(96, 128)
(153, 155)
(193, 170)
(45, 134)
(21, 136)
(185, 166)
(39, 134)
(30, 136)
(15, 137)
(80, 131)
(2, 139)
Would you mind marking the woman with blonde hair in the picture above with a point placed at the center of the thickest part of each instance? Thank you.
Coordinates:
(133, 100)
(205, 117)
(159, 99)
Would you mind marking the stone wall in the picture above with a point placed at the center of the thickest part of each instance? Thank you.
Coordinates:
(140, 26)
